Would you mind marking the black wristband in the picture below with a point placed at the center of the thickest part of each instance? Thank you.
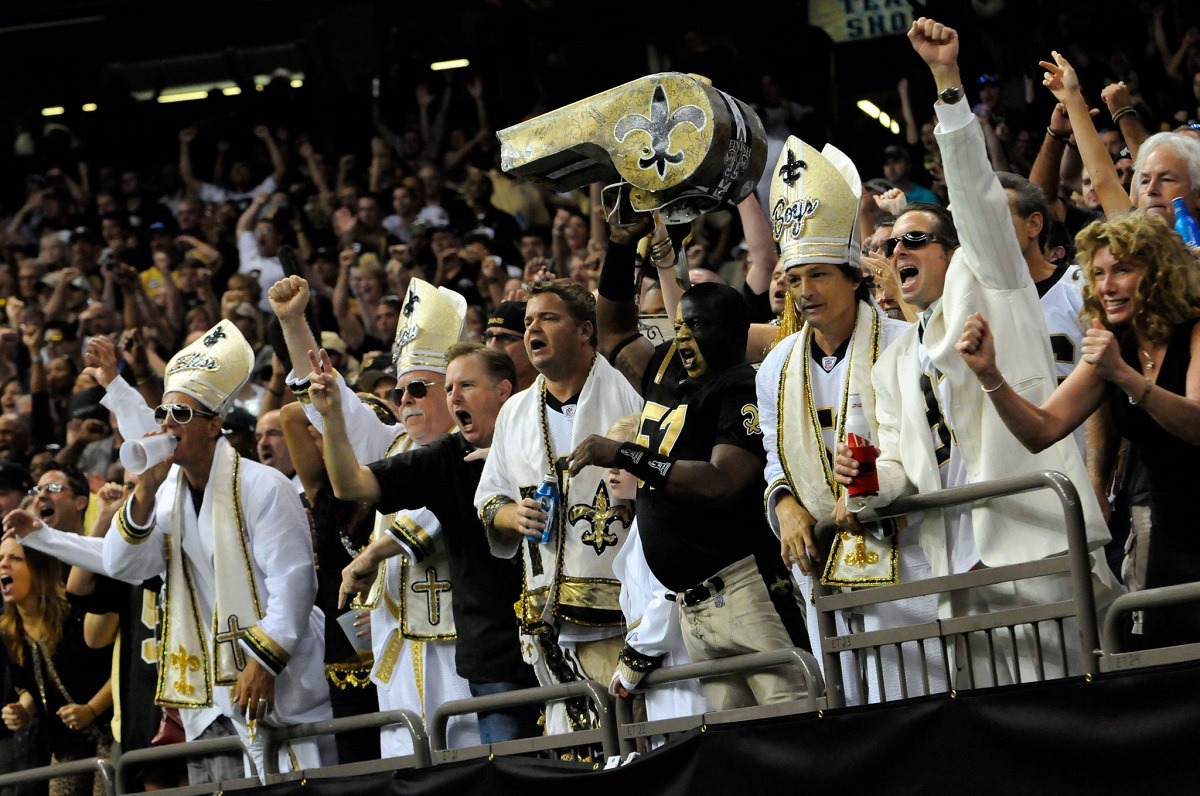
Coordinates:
(617, 281)
(652, 468)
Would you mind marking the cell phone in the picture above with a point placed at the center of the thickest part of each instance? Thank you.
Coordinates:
(356, 247)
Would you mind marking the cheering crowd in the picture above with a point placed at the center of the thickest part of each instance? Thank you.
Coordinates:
(359, 381)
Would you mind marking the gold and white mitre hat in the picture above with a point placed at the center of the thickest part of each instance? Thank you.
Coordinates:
(213, 369)
(814, 205)
(431, 321)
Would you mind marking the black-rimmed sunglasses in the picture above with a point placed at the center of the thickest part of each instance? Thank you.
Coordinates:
(181, 413)
(416, 388)
(912, 240)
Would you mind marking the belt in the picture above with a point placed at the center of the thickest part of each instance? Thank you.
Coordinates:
(698, 594)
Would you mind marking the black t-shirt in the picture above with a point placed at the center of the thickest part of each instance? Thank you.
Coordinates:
(485, 587)
(82, 672)
(687, 543)
(338, 523)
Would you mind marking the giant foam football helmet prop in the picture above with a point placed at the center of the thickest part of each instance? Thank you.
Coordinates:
(667, 142)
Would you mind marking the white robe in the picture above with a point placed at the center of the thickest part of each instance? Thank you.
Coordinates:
(420, 680)
(518, 460)
(912, 563)
(281, 549)
(654, 630)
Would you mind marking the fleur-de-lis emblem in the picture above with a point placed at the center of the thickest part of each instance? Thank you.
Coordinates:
(790, 171)
(185, 663)
(599, 515)
(660, 124)
(411, 305)
(214, 336)
(859, 556)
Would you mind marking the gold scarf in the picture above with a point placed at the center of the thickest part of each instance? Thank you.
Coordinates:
(855, 560)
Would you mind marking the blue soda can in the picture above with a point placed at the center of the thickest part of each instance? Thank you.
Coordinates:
(547, 496)
(1185, 225)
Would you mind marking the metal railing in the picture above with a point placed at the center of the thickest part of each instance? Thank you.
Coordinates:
(604, 733)
(274, 737)
(91, 765)
(125, 762)
(1115, 655)
(630, 730)
(1075, 562)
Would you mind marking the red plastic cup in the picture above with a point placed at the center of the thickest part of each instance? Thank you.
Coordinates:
(867, 481)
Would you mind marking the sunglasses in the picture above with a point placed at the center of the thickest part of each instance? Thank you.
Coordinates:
(52, 489)
(911, 240)
(181, 413)
(505, 339)
(416, 388)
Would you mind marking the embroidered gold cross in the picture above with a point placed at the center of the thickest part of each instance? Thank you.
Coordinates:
(599, 515)
(184, 663)
(860, 557)
(431, 587)
(231, 637)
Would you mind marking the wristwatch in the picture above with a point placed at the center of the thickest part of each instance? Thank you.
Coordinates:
(949, 96)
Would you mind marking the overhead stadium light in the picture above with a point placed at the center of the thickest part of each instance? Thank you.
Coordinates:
(183, 96)
(457, 63)
(872, 110)
(57, 110)
(88, 107)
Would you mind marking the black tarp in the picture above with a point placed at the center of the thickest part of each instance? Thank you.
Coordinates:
(1129, 733)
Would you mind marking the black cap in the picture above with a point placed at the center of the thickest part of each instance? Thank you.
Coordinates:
(85, 405)
(879, 185)
(896, 152)
(86, 233)
(14, 476)
(508, 315)
(989, 80)
(239, 419)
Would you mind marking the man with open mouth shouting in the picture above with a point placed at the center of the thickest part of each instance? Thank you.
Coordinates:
(936, 429)
(700, 458)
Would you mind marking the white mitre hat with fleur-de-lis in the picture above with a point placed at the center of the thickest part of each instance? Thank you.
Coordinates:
(213, 369)
(814, 205)
(431, 320)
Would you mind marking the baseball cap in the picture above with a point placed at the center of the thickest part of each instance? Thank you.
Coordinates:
(85, 405)
(239, 419)
(374, 370)
(895, 152)
(989, 80)
(14, 476)
(332, 341)
(508, 315)
(879, 185)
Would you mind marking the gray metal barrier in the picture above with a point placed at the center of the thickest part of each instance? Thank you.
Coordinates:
(91, 765)
(604, 734)
(1075, 562)
(274, 737)
(1116, 658)
(629, 730)
(126, 762)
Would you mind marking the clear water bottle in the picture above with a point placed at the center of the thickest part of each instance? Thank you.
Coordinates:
(858, 439)
(1185, 224)
(547, 497)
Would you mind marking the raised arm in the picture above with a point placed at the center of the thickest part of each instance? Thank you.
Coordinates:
(1037, 427)
(1120, 106)
(1062, 81)
(616, 306)
(1048, 163)
(761, 245)
(278, 162)
(186, 172)
(350, 480)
